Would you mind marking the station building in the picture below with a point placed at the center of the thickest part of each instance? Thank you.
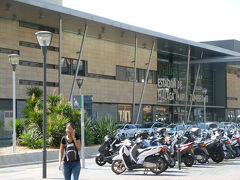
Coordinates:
(112, 53)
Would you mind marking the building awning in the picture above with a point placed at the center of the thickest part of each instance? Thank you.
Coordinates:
(177, 42)
(229, 59)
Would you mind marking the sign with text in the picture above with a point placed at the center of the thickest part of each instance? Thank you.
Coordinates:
(171, 90)
(77, 102)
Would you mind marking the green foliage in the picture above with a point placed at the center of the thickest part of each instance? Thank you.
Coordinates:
(104, 126)
(1, 124)
(36, 91)
(56, 128)
(59, 113)
(19, 127)
(32, 139)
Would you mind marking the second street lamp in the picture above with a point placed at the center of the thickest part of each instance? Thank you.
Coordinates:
(79, 83)
(14, 61)
(204, 92)
(44, 39)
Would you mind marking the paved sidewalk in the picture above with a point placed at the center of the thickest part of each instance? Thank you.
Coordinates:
(229, 170)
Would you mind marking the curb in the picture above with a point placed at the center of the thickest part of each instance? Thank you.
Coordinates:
(19, 159)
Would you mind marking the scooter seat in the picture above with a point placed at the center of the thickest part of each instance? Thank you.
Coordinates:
(142, 150)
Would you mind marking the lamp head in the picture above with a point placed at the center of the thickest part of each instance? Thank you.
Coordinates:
(13, 59)
(79, 82)
(44, 38)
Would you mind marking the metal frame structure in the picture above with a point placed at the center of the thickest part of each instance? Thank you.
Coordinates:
(145, 81)
(79, 59)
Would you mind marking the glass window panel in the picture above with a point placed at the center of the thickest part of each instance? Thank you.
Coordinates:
(121, 73)
(141, 75)
(147, 113)
(129, 74)
(150, 77)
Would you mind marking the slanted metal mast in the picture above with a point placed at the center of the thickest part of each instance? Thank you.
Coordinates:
(145, 82)
(79, 59)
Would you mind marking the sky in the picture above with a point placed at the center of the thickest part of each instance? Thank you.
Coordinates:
(196, 20)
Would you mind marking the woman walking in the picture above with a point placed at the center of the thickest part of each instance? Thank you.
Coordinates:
(69, 147)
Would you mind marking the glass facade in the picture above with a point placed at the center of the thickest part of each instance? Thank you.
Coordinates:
(171, 81)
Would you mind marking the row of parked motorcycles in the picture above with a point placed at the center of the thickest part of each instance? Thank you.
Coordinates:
(161, 151)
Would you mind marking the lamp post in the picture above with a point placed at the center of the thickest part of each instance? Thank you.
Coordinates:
(79, 83)
(204, 92)
(44, 39)
(14, 61)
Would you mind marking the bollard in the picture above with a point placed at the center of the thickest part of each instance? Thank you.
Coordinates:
(179, 157)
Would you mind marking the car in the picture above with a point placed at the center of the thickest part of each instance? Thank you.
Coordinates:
(208, 125)
(175, 128)
(127, 130)
(228, 126)
(151, 127)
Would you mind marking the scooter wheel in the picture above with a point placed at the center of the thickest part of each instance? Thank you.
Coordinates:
(188, 160)
(100, 160)
(161, 166)
(118, 167)
(217, 157)
(204, 158)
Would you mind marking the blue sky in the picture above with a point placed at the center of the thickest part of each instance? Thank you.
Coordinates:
(196, 20)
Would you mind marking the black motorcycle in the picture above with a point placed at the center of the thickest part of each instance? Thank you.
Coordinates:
(215, 150)
(108, 150)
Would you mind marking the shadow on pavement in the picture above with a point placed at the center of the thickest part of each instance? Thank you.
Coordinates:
(162, 174)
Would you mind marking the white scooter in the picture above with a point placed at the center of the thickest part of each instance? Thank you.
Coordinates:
(132, 157)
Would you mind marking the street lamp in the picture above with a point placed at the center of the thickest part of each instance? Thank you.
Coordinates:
(204, 92)
(14, 61)
(79, 83)
(44, 39)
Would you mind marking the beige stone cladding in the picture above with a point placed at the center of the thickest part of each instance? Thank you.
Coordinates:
(233, 90)
(103, 55)
(10, 35)
(111, 91)
(8, 40)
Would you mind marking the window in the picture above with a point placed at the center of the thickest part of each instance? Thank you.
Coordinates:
(147, 113)
(121, 73)
(140, 75)
(38, 27)
(36, 64)
(9, 51)
(35, 45)
(66, 66)
(69, 66)
(124, 113)
(37, 83)
(129, 74)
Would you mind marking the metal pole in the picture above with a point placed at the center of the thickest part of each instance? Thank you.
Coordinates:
(134, 81)
(14, 108)
(179, 157)
(82, 132)
(79, 58)
(194, 89)
(44, 51)
(60, 55)
(186, 92)
(145, 82)
(204, 107)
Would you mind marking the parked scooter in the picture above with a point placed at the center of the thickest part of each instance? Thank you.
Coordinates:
(215, 149)
(108, 150)
(132, 157)
(186, 150)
